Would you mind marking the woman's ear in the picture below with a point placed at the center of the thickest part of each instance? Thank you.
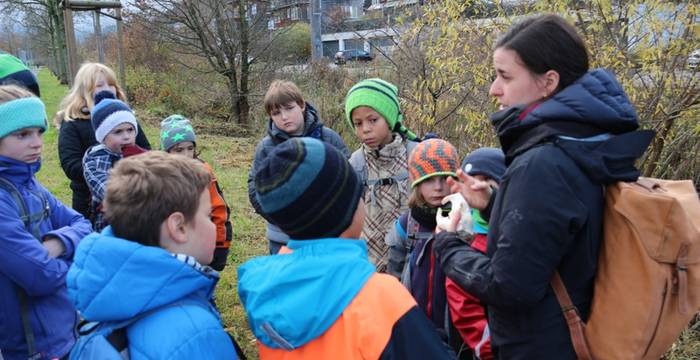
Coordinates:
(551, 83)
(174, 227)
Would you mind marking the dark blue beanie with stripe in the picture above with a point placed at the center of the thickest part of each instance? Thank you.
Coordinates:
(308, 189)
(108, 113)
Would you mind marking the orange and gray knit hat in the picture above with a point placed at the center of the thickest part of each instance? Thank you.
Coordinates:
(432, 157)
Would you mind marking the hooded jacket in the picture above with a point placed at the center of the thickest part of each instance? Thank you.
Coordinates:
(324, 300)
(26, 265)
(113, 279)
(548, 213)
(313, 127)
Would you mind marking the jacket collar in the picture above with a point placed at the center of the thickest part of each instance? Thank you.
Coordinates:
(18, 172)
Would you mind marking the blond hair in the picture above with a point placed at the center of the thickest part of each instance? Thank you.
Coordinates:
(280, 93)
(13, 92)
(144, 190)
(80, 95)
(416, 199)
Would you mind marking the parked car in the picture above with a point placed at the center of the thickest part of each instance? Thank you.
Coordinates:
(341, 57)
(694, 59)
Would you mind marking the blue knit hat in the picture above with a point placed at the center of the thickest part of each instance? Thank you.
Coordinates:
(487, 161)
(108, 113)
(308, 189)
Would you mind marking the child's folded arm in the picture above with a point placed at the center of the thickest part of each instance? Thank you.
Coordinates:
(70, 227)
(25, 261)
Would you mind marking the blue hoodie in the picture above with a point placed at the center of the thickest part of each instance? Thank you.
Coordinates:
(114, 279)
(292, 299)
(25, 263)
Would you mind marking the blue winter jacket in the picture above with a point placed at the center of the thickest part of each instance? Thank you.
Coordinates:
(547, 214)
(113, 279)
(25, 264)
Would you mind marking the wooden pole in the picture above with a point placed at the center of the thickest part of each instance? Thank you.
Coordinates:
(120, 49)
(98, 37)
(70, 42)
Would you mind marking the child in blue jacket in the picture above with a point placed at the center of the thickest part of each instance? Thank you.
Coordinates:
(39, 237)
(150, 264)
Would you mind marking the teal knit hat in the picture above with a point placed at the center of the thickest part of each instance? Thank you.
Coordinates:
(175, 129)
(383, 97)
(21, 114)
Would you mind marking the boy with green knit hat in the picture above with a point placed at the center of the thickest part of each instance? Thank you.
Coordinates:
(14, 72)
(373, 110)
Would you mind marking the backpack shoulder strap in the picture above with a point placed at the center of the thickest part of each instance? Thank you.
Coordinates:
(573, 320)
(410, 145)
(115, 332)
(17, 197)
(359, 163)
(6, 185)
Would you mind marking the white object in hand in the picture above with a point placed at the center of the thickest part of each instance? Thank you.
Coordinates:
(458, 205)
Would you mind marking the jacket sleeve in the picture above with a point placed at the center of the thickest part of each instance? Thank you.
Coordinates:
(24, 260)
(141, 139)
(335, 140)
(538, 219)
(96, 171)
(469, 318)
(71, 227)
(397, 242)
(71, 151)
(260, 155)
(414, 337)
(219, 212)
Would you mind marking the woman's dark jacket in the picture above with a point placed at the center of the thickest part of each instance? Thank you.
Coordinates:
(548, 213)
(74, 138)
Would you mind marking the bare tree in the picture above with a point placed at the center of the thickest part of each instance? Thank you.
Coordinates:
(230, 35)
(43, 18)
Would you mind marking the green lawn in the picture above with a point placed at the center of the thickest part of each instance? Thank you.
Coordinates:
(230, 158)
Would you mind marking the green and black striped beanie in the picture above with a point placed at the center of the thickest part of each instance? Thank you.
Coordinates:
(14, 72)
(383, 97)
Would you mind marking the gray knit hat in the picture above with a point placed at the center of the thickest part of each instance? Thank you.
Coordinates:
(175, 129)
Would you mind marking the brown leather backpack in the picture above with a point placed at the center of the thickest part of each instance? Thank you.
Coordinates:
(647, 288)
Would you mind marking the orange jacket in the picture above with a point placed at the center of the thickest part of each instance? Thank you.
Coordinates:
(323, 299)
(220, 212)
(382, 321)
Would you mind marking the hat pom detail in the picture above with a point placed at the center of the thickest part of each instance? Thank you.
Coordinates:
(104, 94)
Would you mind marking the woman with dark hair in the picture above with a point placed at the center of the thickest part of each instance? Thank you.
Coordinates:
(560, 126)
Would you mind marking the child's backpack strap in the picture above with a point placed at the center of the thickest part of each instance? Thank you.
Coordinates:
(108, 340)
(359, 163)
(31, 223)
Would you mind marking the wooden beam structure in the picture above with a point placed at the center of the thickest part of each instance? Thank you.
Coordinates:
(71, 45)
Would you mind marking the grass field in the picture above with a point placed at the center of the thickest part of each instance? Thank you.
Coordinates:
(231, 158)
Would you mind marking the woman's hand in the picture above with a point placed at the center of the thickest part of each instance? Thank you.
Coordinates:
(451, 225)
(475, 191)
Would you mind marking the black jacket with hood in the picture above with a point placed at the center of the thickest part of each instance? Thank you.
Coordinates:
(548, 213)
(74, 138)
(313, 127)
